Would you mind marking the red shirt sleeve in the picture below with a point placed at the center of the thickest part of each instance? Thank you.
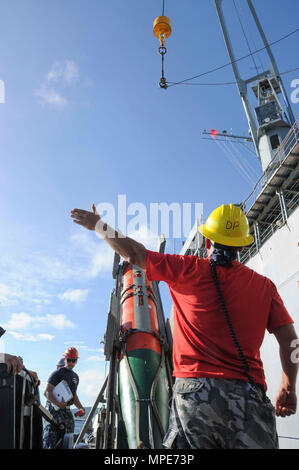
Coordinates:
(279, 316)
(165, 267)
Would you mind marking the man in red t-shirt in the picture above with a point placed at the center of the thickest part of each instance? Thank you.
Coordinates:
(221, 312)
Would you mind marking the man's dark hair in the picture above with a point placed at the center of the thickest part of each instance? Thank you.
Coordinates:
(227, 247)
(224, 255)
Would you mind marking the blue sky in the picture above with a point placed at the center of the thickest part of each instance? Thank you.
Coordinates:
(84, 121)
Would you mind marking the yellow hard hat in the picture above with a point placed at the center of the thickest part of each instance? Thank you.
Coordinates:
(227, 225)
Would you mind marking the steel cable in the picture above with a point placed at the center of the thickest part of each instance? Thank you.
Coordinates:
(230, 63)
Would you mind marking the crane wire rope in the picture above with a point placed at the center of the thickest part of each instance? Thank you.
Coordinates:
(162, 35)
(240, 164)
(248, 149)
(224, 83)
(234, 161)
(234, 61)
(289, 437)
(251, 36)
(245, 37)
(245, 162)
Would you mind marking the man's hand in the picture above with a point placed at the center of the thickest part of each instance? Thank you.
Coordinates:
(80, 413)
(285, 403)
(13, 363)
(286, 400)
(34, 376)
(85, 218)
(130, 250)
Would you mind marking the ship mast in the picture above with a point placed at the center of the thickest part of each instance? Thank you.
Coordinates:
(270, 121)
(275, 135)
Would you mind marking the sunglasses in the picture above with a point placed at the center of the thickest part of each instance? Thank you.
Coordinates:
(71, 360)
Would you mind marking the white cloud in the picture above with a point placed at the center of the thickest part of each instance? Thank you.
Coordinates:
(59, 321)
(19, 321)
(62, 74)
(34, 279)
(45, 336)
(30, 337)
(91, 382)
(97, 254)
(74, 295)
(66, 71)
(8, 295)
(76, 344)
(5, 292)
(96, 358)
(22, 321)
(95, 349)
(102, 260)
(21, 336)
(145, 236)
(48, 95)
(30, 278)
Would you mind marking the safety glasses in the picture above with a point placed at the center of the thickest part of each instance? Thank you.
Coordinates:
(71, 360)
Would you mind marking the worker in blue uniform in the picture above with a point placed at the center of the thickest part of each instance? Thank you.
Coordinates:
(63, 414)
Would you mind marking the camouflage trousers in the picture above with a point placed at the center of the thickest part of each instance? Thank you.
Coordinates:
(220, 414)
(51, 436)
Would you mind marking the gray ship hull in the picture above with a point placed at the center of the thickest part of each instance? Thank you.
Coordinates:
(278, 259)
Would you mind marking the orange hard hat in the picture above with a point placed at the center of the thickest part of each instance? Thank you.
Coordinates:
(71, 353)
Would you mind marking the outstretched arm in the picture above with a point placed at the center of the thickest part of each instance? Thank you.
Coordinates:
(130, 250)
(286, 399)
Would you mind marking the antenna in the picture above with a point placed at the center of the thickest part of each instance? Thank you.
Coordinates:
(227, 136)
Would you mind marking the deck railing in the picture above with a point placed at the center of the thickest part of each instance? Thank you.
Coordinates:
(266, 230)
(287, 145)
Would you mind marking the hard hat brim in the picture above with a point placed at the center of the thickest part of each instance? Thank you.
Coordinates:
(223, 240)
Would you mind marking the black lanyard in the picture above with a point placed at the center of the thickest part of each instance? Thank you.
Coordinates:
(233, 333)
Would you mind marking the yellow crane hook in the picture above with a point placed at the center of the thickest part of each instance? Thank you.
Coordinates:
(162, 30)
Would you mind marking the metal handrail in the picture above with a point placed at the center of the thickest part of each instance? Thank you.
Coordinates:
(269, 230)
(287, 145)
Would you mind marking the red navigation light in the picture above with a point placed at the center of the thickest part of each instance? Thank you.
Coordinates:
(214, 133)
